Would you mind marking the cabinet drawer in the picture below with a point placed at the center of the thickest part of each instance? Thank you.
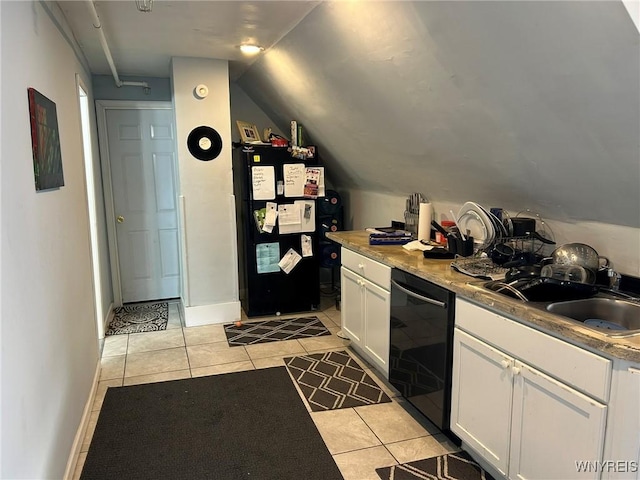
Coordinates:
(373, 271)
(585, 371)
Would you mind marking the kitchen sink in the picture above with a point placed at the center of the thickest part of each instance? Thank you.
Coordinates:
(607, 312)
(615, 317)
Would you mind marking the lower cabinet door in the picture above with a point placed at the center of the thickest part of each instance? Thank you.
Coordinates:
(377, 303)
(554, 428)
(351, 306)
(481, 398)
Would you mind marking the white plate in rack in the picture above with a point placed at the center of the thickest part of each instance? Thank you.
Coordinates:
(472, 217)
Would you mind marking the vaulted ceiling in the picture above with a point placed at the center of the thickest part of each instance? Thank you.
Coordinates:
(512, 104)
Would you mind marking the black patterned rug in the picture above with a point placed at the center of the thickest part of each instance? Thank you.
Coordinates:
(274, 330)
(452, 466)
(139, 317)
(334, 380)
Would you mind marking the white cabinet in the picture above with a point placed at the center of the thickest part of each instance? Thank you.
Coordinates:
(553, 427)
(512, 407)
(622, 444)
(365, 302)
(481, 398)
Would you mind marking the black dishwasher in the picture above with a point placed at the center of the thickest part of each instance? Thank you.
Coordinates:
(420, 354)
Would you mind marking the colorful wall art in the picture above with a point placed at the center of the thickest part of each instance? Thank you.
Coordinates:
(45, 142)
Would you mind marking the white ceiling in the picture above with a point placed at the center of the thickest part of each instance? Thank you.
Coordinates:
(142, 44)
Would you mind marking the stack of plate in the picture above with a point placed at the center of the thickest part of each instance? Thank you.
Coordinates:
(482, 225)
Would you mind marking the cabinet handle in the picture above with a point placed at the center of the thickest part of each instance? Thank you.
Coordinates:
(515, 370)
(360, 266)
(505, 363)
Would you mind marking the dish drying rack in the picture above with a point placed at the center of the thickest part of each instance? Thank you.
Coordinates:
(479, 267)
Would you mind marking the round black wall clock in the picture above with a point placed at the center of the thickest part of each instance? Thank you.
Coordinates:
(204, 143)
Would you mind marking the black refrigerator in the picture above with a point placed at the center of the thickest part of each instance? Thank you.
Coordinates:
(270, 178)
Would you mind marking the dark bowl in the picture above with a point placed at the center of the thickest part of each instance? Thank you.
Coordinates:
(502, 253)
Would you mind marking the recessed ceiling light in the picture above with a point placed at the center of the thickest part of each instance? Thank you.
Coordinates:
(250, 49)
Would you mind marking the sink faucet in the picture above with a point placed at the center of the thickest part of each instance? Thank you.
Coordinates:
(614, 279)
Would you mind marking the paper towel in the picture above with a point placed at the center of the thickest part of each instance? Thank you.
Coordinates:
(424, 222)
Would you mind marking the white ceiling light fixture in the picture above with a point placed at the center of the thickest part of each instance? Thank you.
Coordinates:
(144, 5)
(249, 49)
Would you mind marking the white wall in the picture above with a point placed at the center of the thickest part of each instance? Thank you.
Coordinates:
(620, 244)
(49, 340)
(208, 220)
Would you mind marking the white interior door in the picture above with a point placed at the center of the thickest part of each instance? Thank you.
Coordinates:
(142, 151)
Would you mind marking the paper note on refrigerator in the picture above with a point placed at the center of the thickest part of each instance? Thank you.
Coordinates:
(321, 190)
(263, 180)
(294, 178)
(289, 261)
(307, 210)
(271, 215)
(289, 218)
(311, 181)
(268, 257)
(307, 250)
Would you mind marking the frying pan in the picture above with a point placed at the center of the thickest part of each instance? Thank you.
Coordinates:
(545, 289)
(522, 271)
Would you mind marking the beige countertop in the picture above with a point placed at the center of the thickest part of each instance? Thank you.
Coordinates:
(441, 273)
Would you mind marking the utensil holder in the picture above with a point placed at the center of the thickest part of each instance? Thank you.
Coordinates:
(456, 245)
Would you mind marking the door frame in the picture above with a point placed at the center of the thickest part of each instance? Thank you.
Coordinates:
(102, 106)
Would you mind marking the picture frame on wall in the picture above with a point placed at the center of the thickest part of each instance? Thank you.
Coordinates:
(45, 142)
(248, 132)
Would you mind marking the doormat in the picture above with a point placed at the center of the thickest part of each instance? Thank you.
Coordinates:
(139, 317)
(234, 426)
(452, 466)
(334, 380)
(274, 330)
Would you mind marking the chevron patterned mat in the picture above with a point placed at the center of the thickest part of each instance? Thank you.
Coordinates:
(138, 318)
(334, 380)
(274, 330)
(452, 466)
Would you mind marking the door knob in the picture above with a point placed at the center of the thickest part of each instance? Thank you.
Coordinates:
(120, 219)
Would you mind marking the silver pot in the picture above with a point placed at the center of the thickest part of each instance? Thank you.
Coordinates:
(579, 254)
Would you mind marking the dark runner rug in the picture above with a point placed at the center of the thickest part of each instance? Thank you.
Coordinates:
(452, 466)
(334, 380)
(274, 330)
(139, 317)
(245, 425)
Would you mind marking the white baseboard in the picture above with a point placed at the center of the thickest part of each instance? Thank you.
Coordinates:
(211, 314)
(82, 428)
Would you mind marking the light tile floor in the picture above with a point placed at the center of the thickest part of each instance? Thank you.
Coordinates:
(360, 439)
